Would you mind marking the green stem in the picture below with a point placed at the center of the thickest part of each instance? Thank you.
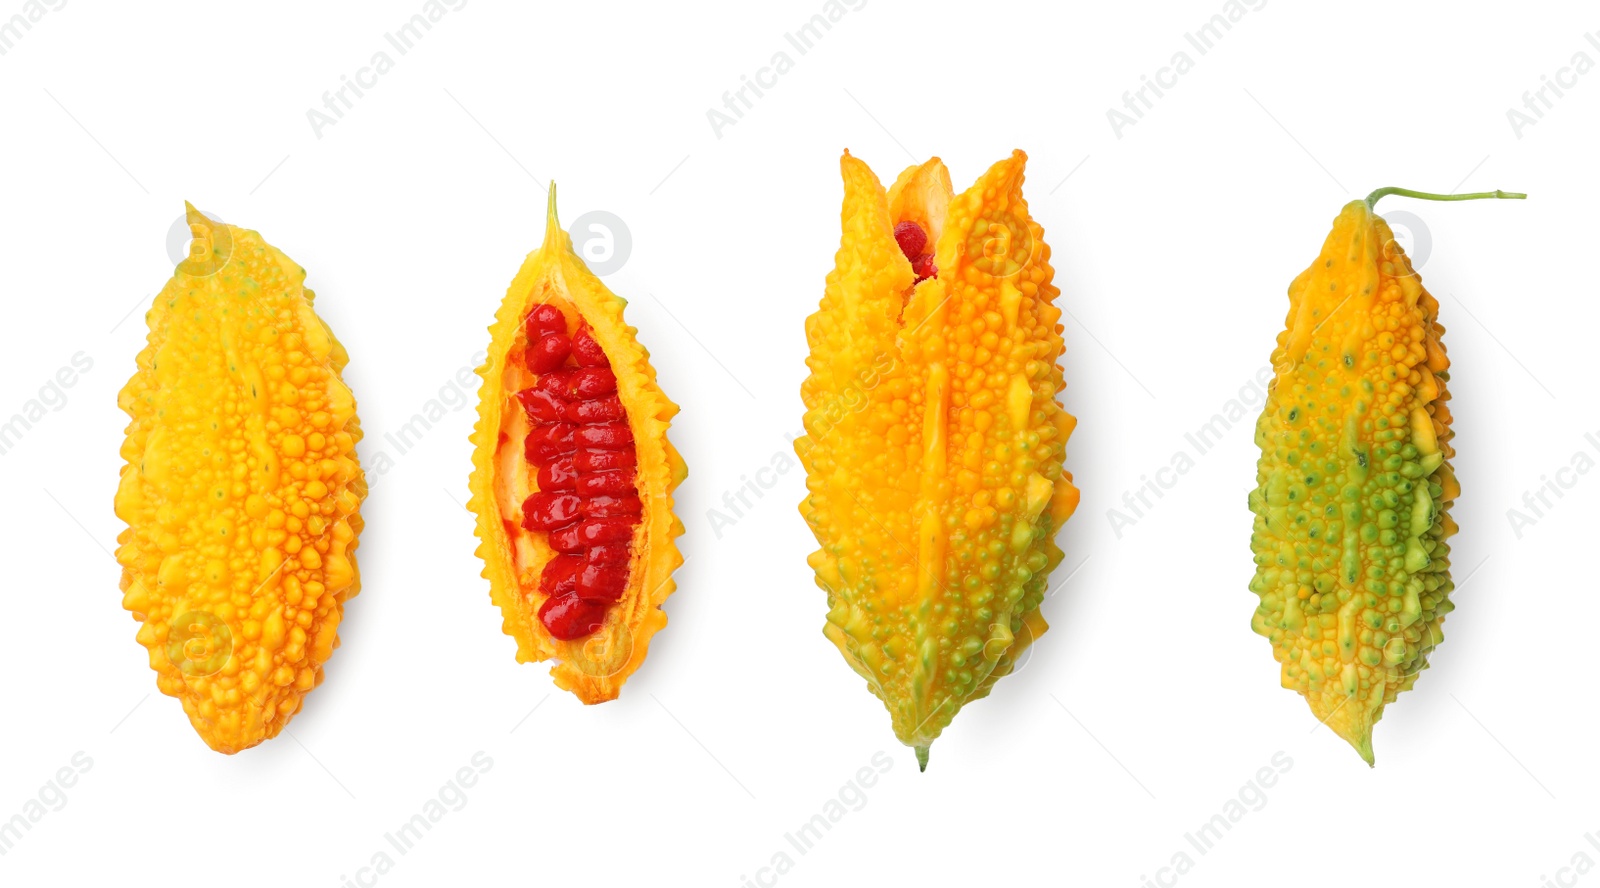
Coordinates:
(1375, 196)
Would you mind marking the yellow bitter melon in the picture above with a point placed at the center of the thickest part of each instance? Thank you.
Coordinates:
(1354, 484)
(572, 475)
(934, 442)
(241, 491)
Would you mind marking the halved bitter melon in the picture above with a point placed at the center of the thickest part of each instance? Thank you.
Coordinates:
(573, 475)
(242, 491)
(934, 442)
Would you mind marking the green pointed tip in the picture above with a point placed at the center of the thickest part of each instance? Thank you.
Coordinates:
(1364, 749)
(552, 225)
(1375, 196)
(922, 759)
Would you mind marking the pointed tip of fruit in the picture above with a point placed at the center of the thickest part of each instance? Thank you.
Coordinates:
(1360, 739)
(194, 216)
(552, 224)
(1350, 723)
(922, 759)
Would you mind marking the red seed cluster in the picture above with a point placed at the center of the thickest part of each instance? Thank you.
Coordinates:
(913, 243)
(582, 448)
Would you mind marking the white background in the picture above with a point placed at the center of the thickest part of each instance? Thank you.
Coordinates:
(1148, 706)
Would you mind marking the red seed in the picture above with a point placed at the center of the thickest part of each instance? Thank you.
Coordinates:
(602, 582)
(547, 352)
(567, 539)
(911, 238)
(548, 441)
(560, 575)
(602, 410)
(548, 511)
(924, 267)
(600, 531)
(593, 382)
(611, 436)
(600, 460)
(541, 406)
(545, 318)
(586, 351)
(612, 507)
(618, 482)
(558, 474)
(569, 617)
(557, 383)
(616, 553)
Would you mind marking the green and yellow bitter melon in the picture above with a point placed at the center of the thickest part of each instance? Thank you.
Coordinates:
(1354, 485)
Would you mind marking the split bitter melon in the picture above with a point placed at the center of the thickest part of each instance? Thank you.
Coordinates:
(1354, 485)
(573, 476)
(241, 490)
(934, 442)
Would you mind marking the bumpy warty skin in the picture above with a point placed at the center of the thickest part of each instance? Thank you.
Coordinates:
(241, 490)
(1354, 484)
(934, 441)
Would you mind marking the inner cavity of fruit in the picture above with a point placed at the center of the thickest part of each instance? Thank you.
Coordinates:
(579, 449)
(913, 243)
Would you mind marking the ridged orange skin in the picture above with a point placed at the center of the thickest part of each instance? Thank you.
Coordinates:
(1354, 484)
(594, 667)
(241, 492)
(934, 441)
